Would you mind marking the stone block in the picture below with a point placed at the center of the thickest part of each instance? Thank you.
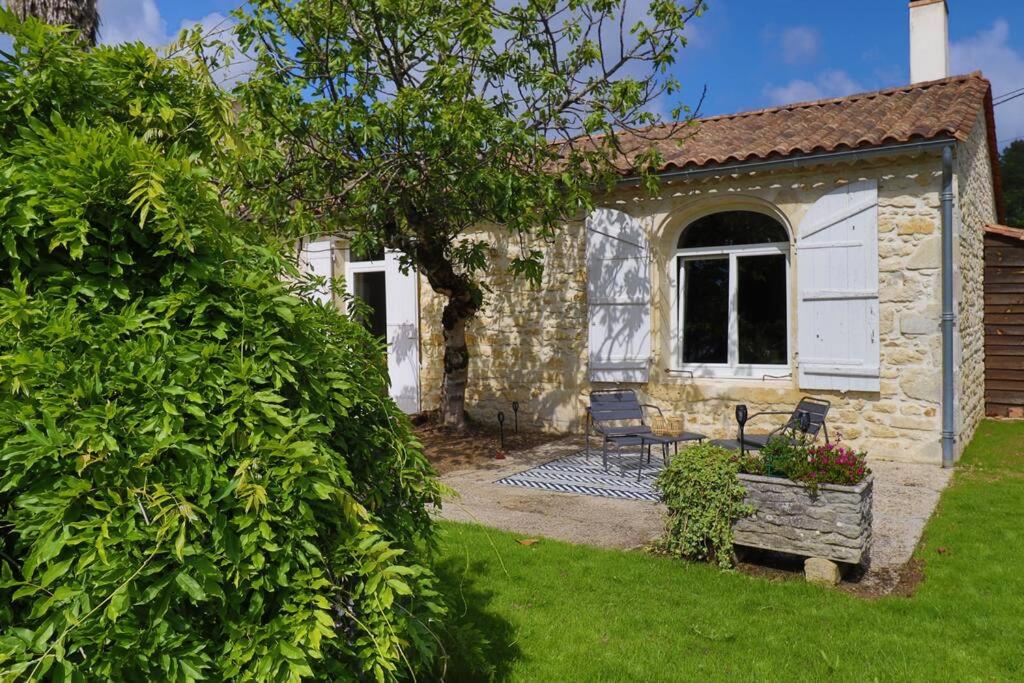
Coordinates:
(882, 431)
(833, 523)
(925, 321)
(913, 423)
(916, 226)
(820, 570)
(928, 254)
(922, 386)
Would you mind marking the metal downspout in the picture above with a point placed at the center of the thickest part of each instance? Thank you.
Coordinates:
(948, 393)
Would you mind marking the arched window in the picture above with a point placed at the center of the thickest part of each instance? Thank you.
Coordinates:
(732, 273)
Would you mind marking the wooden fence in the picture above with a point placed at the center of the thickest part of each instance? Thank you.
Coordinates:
(1004, 321)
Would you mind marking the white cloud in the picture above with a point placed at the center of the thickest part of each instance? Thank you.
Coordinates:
(127, 21)
(799, 43)
(795, 91)
(218, 27)
(696, 36)
(831, 83)
(989, 50)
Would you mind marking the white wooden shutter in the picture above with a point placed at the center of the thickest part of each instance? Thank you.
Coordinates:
(837, 277)
(403, 333)
(619, 298)
(317, 257)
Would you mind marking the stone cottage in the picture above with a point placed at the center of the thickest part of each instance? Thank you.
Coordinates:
(831, 248)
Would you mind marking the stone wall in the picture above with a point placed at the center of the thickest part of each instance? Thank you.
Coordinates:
(902, 420)
(530, 344)
(833, 523)
(975, 208)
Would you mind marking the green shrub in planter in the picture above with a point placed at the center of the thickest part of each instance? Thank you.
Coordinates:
(201, 473)
(704, 497)
(807, 462)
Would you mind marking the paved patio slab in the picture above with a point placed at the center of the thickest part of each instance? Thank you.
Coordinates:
(905, 497)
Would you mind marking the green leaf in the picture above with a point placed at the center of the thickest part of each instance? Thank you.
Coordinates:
(232, 547)
(179, 543)
(190, 586)
(54, 571)
(117, 605)
(228, 489)
(291, 652)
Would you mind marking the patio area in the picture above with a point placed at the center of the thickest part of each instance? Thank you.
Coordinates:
(554, 491)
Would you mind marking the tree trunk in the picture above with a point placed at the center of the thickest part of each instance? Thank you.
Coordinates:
(456, 366)
(78, 14)
(464, 299)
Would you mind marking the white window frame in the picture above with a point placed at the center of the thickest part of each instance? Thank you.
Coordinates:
(731, 368)
(353, 267)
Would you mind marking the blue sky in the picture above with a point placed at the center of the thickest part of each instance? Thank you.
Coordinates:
(750, 53)
(754, 54)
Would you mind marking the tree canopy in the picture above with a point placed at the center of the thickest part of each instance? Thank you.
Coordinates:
(404, 124)
(1012, 162)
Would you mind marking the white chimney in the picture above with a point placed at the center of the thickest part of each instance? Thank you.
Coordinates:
(929, 40)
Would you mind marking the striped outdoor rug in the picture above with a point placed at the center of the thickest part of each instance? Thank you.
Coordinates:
(578, 474)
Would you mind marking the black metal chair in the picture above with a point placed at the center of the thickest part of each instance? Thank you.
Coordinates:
(607, 412)
(806, 421)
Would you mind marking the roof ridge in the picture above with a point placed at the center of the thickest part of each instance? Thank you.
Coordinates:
(871, 94)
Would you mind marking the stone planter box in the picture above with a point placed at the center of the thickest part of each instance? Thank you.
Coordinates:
(834, 523)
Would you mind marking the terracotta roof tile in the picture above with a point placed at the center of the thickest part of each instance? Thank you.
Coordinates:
(923, 111)
(1005, 231)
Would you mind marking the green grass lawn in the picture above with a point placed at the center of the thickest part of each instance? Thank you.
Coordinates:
(559, 612)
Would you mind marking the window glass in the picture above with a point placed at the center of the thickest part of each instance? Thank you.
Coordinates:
(761, 309)
(370, 287)
(731, 228)
(706, 310)
(733, 295)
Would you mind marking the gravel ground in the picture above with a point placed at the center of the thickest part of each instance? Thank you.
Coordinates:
(905, 496)
(590, 520)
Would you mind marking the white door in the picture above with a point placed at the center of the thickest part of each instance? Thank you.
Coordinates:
(394, 299)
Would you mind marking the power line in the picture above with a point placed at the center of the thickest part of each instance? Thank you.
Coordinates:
(1008, 99)
(1005, 94)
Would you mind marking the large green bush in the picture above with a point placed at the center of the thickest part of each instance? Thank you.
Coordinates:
(201, 475)
(703, 494)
